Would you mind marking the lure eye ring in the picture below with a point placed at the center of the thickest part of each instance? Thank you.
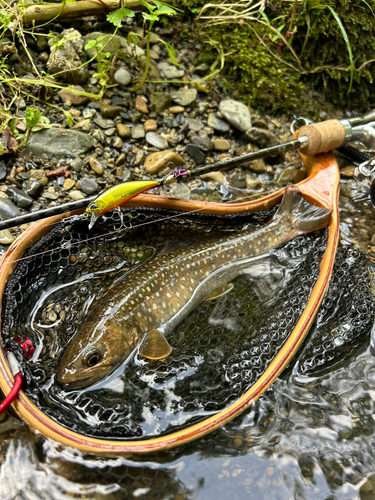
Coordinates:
(92, 358)
(93, 206)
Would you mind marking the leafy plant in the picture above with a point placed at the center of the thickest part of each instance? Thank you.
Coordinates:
(103, 65)
(156, 9)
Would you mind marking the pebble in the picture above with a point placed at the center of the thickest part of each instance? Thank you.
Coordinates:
(195, 153)
(238, 180)
(88, 186)
(96, 166)
(43, 57)
(221, 144)
(72, 98)
(68, 184)
(157, 162)
(184, 97)
(156, 140)
(32, 187)
(104, 123)
(3, 171)
(22, 199)
(120, 160)
(122, 77)
(110, 132)
(88, 113)
(265, 139)
(286, 176)
(123, 130)
(160, 101)
(38, 175)
(217, 123)
(236, 113)
(85, 125)
(258, 166)
(252, 182)
(194, 124)
(76, 194)
(8, 209)
(109, 111)
(138, 132)
(214, 176)
(117, 143)
(175, 110)
(140, 104)
(21, 125)
(6, 237)
(203, 144)
(170, 72)
(150, 125)
(76, 164)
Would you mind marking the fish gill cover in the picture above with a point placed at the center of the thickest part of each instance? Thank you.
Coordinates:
(219, 350)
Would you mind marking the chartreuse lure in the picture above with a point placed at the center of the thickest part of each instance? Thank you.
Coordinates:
(116, 196)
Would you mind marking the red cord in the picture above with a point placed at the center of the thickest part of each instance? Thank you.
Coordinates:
(13, 393)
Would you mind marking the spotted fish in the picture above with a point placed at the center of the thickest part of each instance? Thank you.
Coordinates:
(155, 297)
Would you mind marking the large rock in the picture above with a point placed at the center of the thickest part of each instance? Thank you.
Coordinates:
(115, 44)
(67, 55)
(58, 142)
(236, 113)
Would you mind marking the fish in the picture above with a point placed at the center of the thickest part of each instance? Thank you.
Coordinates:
(139, 311)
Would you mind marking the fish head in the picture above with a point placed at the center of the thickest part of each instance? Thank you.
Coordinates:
(89, 360)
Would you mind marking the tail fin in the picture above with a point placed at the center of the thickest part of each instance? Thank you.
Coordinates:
(304, 216)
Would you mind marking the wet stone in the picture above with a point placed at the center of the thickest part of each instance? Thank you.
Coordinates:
(258, 166)
(238, 180)
(236, 113)
(138, 132)
(88, 186)
(123, 130)
(214, 176)
(184, 97)
(8, 209)
(120, 160)
(170, 72)
(122, 77)
(265, 139)
(157, 162)
(32, 187)
(3, 171)
(96, 166)
(217, 123)
(156, 140)
(204, 144)
(170, 122)
(195, 153)
(110, 132)
(22, 199)
(181, 191)
(286, 175)
(176, 109)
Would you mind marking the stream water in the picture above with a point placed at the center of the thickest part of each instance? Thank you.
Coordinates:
(307, 437)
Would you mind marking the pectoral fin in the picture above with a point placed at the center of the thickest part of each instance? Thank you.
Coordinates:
(155, 346)
(218, 292)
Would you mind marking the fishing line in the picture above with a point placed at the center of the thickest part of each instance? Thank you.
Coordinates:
(132, 227)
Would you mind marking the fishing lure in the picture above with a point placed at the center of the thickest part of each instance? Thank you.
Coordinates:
(116, 196)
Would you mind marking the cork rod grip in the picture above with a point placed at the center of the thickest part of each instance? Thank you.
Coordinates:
(323, 137)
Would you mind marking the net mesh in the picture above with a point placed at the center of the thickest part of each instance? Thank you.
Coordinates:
(219, 350)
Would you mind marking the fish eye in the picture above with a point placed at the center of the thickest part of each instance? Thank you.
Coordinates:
(92, 358)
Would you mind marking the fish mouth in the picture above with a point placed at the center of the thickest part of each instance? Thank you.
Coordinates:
(78, 384)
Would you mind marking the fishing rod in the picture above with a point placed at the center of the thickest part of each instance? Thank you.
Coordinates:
(312, 139)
